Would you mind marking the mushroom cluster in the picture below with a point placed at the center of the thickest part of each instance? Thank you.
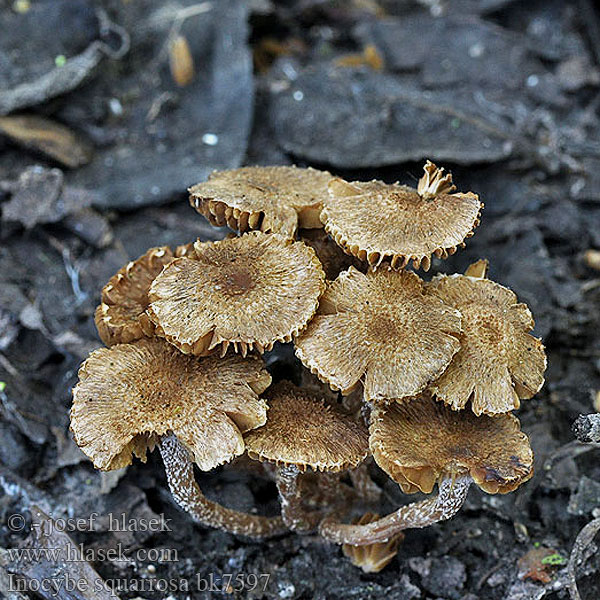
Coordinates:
(417, 378)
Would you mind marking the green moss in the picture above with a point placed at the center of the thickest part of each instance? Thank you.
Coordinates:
(554, 560)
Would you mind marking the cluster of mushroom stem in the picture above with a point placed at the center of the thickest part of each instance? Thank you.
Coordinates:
(179, 469)
(422, 375)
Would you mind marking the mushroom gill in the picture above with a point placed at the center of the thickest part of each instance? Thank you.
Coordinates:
(422, 442)
(271, 199)
(121, 316)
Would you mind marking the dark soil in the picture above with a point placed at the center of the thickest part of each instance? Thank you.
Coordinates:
(504, 93)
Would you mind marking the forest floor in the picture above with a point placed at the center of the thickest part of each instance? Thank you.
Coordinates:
(504, 93)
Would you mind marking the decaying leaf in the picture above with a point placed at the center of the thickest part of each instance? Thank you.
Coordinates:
(369, 57)
(40, 196)
(539, 564)
(48, 137)
(353, 118)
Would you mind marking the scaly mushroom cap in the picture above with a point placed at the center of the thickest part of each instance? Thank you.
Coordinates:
(332, 257)
(303, 431)
(419, 443)
(121, 317)
(499, 361)
(277, 199)
(395, 224)
(249, 291)
(131, 394)
(381, 328)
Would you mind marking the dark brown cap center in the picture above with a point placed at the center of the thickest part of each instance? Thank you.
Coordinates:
(237, 281)
(385, 327)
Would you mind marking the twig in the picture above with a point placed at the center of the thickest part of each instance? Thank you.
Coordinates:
(592, 284)
(70, 268)
(487, 575)
(583, 540)
(177, 15)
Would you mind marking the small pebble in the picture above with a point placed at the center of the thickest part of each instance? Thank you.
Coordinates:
(592, 259)
(210, 139)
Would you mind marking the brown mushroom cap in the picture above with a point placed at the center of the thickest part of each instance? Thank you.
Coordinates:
(303, 431)
(382, 328)
(499, 361)
(277, 199)
(121, 317)
(419, 443)
(395, 224)
(249, 291)
(186, 250)
(131, 394)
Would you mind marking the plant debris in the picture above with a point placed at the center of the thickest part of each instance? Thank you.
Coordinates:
(48, 137)
(60, 564)
(501, 93)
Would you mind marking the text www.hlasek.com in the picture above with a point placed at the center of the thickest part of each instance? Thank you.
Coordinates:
(79, 553)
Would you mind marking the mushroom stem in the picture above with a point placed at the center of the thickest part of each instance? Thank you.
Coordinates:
(451, 496)
(187, 494)
(294, 515)
(365, 487)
